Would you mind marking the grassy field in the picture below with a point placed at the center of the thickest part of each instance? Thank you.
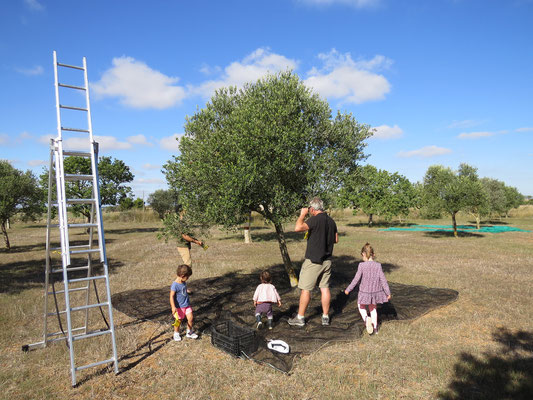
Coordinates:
(480, 346)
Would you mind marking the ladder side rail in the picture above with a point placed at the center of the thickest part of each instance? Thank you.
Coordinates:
(47, 254)
(89, 267)
(89, 120)
(56, 85)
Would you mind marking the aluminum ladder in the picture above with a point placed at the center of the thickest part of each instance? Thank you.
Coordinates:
(77, 274)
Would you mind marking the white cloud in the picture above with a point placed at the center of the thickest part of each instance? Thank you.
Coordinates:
(25, 135)
(428, 151)
(139, 86)
(387, 132)
(37, 70)
(34, 5)
(467, 123)
(139, 139)
(4, 138)
(150, 181)
(151, 166)
(353, 3)
(475, 135)
(348, 80)
(250, 69)
(82, 143)
(525, 129)
(170, 143)
(36, 163)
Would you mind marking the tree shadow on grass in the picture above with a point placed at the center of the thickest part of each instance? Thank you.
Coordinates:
(230, 297)
(507, 374)
(42, 246)
(130, 230)
(438, 234)
(23, 275)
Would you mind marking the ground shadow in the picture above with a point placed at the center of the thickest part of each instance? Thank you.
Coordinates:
(506, 374)
(16, 277)
(230, 297)
(53, 244)
(131, 230)
(438, 234)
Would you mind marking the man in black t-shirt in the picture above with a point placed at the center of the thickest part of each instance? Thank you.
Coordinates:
(316, 268)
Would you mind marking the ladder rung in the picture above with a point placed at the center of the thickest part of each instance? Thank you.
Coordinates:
(76, 225)
(72, 108)
(50, 314)
(74, 129)
(81, 201)
(76, 177)
(72, 269)
(76, 153)
(85, 251)
(89, 306)
(81, 246)
(61, 333)
(70, 66)
(95, 364)
(89, 278)
(70, 290)
(71, 86)
(90, 334)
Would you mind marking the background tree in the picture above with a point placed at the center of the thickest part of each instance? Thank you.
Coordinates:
(446, 191)
(513, 199)
(19, 194)
(378, 192)
(266, 148)
(113, 175)
(164, 202)
(476, 200)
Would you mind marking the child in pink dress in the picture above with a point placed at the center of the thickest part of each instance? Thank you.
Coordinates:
(373, 289)
(265, 295)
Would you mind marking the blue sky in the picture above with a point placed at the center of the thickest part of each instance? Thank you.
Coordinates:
(441, 81)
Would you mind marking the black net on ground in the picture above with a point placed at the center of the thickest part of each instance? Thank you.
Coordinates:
(230, 297)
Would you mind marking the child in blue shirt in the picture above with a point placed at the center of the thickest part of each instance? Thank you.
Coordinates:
(180, 303)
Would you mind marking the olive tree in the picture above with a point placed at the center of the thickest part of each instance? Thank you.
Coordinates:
(19, 194)
(379, 192)
(268, 148)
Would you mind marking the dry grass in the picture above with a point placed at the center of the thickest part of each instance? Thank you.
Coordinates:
(419, 360)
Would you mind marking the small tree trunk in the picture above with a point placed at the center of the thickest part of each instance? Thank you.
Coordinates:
(246, 228)
(6, 238)
(370, 220)
(285, 255)
(478, 222)
(454, 225)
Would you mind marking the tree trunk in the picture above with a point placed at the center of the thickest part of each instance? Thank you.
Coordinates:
(478, 222)
(6, 238)
(246, 228)
(285, 255)
(370, 220)
(454, 225)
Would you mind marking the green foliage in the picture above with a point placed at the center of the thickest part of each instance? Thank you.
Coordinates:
(266, 148)
(378, 192)
(113, 175)
(501, 198)
(19, 194)
(174, 225)
(164, 202)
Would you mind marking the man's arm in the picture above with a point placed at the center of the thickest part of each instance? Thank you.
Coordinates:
(191, 239)
(301, 226)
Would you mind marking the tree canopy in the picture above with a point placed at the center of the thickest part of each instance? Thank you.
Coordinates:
(379, 192)
(164, 202)
(19, 194)
(113, 175)
(267, 148)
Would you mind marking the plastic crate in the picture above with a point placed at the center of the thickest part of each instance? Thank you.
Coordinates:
(233, 338)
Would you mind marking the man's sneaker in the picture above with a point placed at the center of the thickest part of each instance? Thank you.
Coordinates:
(295, 321)
(177, 337)
(375, 330)
(369, 326)
(191, 335)
(259, 325)
(325, 320)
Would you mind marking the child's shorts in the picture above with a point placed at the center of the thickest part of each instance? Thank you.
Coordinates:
(264, 308)
(182, 312)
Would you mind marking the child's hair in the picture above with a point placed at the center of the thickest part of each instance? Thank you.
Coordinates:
(368, 251)
(265, 277)
(183, 271)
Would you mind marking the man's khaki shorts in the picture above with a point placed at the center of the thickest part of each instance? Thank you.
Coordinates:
(185, 254)
(312, 274)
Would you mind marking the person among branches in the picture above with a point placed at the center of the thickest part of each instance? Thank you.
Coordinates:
(316, 269)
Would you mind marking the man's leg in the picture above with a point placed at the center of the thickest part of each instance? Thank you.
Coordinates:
(305, 298)
(185, 255)
(326, 300)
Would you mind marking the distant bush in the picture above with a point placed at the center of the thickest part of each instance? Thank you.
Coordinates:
(133, 215)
